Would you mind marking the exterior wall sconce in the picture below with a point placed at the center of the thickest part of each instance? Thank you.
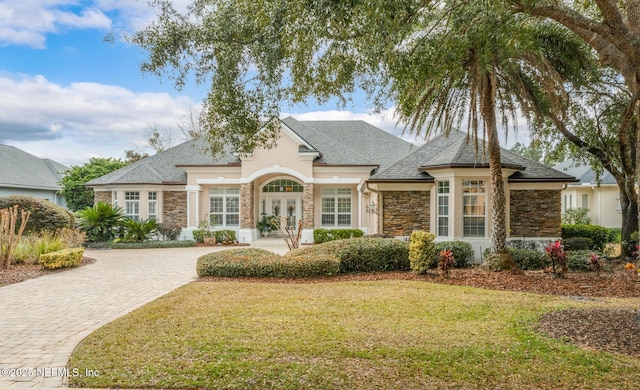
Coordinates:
(371, 208)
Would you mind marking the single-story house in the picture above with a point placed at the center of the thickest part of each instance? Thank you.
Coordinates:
(600, 195)
(339, 174)
(22, 173)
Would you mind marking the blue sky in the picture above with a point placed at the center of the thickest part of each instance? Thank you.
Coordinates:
(68, 95)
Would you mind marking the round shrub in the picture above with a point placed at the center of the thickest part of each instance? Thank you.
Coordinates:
(599, 235)
(578, 260)
(373, 254)
(462, 252)
(254, 262)
(527, 259)
(45, 215)
(422, 251)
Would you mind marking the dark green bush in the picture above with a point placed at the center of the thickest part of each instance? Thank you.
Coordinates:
(100, 222)
(372, 255)
(462, 252)
(577, 260)
(615, 235)
(325, 235)
(45, 215)
(225, 235)
(577, 243)
(254, 262)
(526, 259)
(599, 235)
(136, 231)
(141, 244)
(199, 235)
(169, 231)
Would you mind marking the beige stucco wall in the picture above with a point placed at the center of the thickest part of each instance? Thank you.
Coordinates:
(603, 203)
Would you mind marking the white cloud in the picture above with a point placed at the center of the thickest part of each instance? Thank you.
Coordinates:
(72, 123)
(27, 22)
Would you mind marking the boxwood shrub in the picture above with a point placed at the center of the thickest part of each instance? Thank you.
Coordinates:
(373, 255)
(577, 243)
(599, 235)
(325, 235)
(462, 252)
(255, 262)
(45, 215)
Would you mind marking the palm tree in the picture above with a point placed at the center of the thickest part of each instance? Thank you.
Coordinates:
(483, 62)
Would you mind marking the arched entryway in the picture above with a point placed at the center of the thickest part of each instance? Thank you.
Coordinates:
(282, 198)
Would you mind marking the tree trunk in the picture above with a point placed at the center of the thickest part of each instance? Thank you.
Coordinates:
(629, 212)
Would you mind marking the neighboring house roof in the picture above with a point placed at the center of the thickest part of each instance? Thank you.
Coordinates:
(584, 173)
(23, 170)
(457, 150)
(338, 142)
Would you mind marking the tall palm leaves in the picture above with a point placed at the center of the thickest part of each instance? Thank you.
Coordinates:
(483, 62)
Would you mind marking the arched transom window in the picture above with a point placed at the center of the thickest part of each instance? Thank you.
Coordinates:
(282, 185)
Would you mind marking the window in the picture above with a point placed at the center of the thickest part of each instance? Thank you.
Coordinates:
(336, 207)
(443, 208)
(114, 196)
(282, 185)
(585, 201)
(473, 208)
(224, 207)
(132, 205)
(153, 205)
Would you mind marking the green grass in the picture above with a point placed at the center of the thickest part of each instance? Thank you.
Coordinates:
(379, 334)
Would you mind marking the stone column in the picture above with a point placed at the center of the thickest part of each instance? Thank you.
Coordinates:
(247, 220)
(308, 206)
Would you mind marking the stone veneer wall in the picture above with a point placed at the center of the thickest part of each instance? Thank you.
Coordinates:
(174, 208)
(102, 196)
(405, 211)
(247, 220)
(535, 213)
(308, 206)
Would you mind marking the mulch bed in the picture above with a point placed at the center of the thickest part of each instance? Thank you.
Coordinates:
(609, 330)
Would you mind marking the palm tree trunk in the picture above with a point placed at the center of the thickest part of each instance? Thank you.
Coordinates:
(497, 195)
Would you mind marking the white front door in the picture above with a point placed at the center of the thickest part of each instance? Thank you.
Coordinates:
(288, 207)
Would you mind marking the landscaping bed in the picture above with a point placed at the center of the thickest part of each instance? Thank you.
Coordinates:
(20, 272)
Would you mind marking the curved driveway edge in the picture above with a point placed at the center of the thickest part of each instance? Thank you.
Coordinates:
(42, 320)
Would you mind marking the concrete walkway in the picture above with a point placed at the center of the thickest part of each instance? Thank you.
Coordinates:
(42, 320)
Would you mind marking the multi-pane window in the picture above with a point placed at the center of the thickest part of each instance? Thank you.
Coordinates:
(443, 208)
(132, 204)
(224, 207)
(282, 185)
(336, 207)
(473, 208)
(153, 205)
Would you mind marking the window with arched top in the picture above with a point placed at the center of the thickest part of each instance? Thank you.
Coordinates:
(282, 185)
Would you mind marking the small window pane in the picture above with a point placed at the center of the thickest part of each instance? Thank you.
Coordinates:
(328, 219)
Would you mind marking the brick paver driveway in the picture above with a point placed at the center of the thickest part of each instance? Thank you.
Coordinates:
(42, 320)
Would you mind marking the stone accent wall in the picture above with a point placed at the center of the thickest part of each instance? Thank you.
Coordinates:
(308, 205)
(102, 196)
(247, 220)
(405, 211)
(174, 208)
(535, 213)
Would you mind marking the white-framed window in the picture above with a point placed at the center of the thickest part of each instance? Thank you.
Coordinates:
(585, 201)
(224, 206)
(153, 205)
(132, 204)
(442, 215)
(474, 209)
(114, 198)
(336, 207)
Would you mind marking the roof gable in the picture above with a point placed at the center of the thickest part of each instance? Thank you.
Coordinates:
(584, 173)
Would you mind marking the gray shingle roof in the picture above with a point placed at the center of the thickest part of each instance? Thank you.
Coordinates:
(20, 169)
(350, 142)
(585, 173)
(458, 151)
(339, 142)
(163, 168)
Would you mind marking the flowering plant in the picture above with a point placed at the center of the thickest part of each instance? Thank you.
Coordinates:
(595, 262)
(558, 258)
(446, 261)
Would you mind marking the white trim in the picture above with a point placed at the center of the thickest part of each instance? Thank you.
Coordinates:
(220, 180)
(193, 188)
(338, 180)
(276, 169)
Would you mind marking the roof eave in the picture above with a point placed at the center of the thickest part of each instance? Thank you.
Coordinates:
(425, 168)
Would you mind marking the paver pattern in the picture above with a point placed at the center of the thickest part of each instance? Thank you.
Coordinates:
(42, 320)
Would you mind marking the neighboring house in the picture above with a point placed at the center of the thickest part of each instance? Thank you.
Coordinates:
(338, 174)
(600, 195)
(22, 173)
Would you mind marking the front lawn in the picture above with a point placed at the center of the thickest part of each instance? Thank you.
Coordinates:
(372, 334)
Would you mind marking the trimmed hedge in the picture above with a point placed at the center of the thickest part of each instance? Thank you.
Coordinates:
(45, 215)
(325, 235)
(373, 255)
(260, 262)
(462, 252)
(599, 235)
(62, 259)
(525, 259)
(577, 243)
